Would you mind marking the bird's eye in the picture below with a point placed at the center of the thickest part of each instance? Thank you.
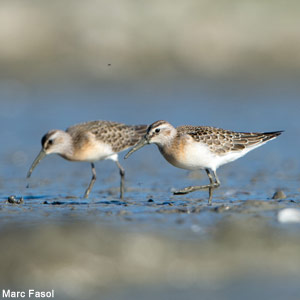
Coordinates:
(50, 142)
(157, 130)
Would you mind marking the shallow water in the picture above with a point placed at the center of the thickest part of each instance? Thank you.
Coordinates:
(152, 243)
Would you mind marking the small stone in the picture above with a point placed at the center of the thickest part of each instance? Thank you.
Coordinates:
(279, 194)
(150, 200)
(13, 200)
(289, 215)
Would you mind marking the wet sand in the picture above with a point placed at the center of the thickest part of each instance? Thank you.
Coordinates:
(152, 244)
(122, 249)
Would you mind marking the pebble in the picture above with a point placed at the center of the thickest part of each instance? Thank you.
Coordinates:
(279, 194)
(289, 215)
(13, 200)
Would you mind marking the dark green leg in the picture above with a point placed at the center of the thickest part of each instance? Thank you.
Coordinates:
(210, 186)
(88, 190)
(122, 174)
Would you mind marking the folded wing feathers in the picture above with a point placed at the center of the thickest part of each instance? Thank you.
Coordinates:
(242, 140)
(221, 141)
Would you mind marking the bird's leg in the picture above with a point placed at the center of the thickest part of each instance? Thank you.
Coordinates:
(210, 190)
(213, 184)
(88, 190)
(122, 174)
(217, 182)
(210, 186)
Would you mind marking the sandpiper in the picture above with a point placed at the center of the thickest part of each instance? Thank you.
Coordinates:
(201, 147)
(91, 141)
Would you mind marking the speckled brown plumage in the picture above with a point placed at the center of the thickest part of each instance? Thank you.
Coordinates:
(118, 135)
(91, 142)
(201, 147)
(221, 141)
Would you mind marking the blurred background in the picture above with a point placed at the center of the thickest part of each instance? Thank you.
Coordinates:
(230, 64)
(97, 40)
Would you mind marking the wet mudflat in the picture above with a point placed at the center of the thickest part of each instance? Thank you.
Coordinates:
(134, 249)
(151, 244)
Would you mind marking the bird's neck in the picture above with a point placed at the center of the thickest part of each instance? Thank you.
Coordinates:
(168, 142)
(67, 147)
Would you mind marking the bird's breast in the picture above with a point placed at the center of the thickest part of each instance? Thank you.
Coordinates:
(91, 151)
(186, 153)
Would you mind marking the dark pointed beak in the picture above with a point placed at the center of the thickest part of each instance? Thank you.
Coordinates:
(40, 156)
(138, 146)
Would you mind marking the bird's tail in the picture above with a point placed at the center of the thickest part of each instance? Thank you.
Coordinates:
(266, 136)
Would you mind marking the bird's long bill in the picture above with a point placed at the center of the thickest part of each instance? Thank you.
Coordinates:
(138, 146)
(40, 156)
